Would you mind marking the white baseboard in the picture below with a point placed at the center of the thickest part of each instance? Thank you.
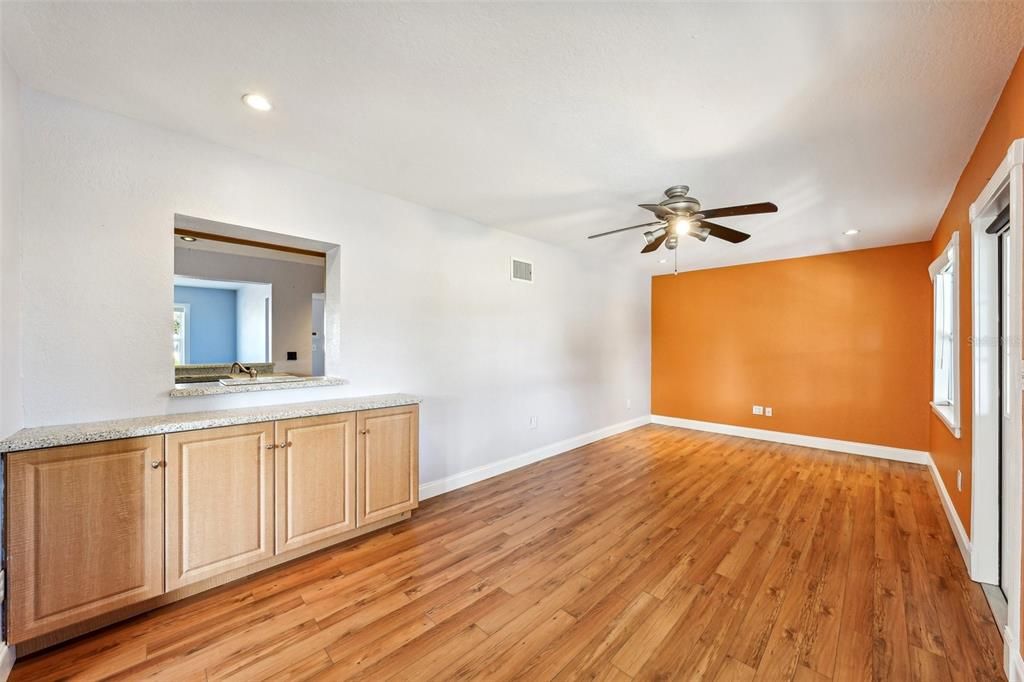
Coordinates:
(6, 660)
(963, 541)
(847, 446)
(1013, 663)
(464, 478)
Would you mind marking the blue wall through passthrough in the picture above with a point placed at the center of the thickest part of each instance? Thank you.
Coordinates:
(211, 325)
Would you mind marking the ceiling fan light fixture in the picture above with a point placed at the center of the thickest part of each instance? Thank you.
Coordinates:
(651, 235)
(698, 231)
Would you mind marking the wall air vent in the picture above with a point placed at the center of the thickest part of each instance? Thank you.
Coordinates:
(522, 271)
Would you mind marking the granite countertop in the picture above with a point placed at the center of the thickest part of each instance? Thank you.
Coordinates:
(216, 388)
(91, 432)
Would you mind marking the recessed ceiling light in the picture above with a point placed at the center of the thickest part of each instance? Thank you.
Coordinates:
(850, 233)
(187, 239)
(257, 101)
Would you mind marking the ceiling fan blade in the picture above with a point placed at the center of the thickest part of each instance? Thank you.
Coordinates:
(656, 244)
(743, 209)
(726, 233)
(623, 229)
(659, 210)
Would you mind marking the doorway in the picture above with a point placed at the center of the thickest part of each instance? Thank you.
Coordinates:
(993, 552)
(1000, 230)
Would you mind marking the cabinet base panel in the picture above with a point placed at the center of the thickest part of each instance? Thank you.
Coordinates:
(31, 646)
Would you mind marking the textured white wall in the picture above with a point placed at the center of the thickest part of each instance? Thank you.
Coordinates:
(426, 304)
(10, 282)
(10, 260)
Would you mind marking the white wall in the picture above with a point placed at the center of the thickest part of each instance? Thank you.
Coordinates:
(10, 282)
(10, 256)
(426, 303)
(251, 322)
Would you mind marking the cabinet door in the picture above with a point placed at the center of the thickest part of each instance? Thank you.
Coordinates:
(387, 463)
(219, 501)
(315, 474)
(85, 532)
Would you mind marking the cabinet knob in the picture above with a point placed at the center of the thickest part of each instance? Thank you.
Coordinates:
(271, 446)
(155, 464)
(285, 445)
(365, 431)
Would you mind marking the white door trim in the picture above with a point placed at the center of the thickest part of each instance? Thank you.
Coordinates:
(1006, 183)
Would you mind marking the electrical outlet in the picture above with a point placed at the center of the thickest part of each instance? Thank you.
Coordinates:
(629, 404)
(767, 411)
(533, 422)
(959, 481)
(758, 409)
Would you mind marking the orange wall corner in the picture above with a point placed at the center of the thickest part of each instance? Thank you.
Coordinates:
(1005, 125)
(838, 345)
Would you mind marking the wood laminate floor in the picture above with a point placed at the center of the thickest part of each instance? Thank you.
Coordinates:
(659, 553)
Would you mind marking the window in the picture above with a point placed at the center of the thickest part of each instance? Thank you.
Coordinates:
(181, 333)
(944, 272)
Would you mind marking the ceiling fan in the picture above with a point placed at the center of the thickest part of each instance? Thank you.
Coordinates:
(679, 214)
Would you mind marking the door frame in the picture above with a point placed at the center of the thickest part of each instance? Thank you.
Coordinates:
(323, 333)
(1007, 183)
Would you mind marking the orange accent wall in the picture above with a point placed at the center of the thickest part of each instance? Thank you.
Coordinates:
(1004, 126)
(838, 345)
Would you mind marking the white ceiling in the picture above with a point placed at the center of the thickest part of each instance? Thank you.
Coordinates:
(553, 119)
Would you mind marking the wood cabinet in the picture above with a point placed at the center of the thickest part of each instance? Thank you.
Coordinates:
(219, 501)
(387, 463)
(102, 531)
(85, 532)
(315, 479)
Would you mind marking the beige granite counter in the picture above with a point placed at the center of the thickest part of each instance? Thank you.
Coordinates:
(90, 432)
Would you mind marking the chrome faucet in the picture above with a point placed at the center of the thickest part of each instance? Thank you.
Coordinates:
(242, 369)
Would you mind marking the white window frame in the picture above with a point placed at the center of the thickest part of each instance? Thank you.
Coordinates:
(948, 411)
(185, 345)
